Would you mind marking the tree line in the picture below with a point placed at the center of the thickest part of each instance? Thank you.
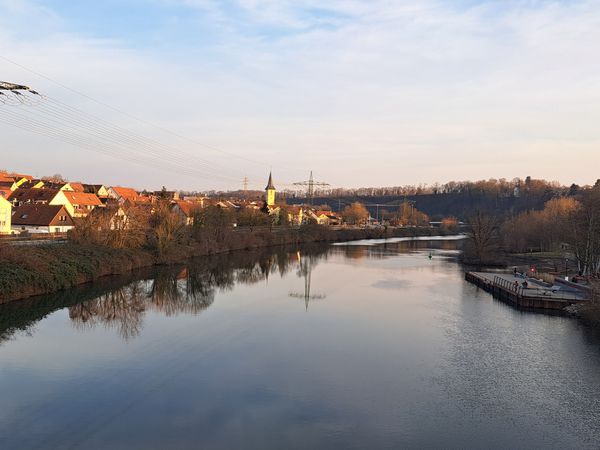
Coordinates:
(567, 224)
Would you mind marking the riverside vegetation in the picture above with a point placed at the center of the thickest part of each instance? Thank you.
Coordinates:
(562, 238)
(107, 243)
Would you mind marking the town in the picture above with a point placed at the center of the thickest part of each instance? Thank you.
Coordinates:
(50, 206)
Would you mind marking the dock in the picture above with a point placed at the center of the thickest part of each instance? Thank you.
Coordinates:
(537, 294)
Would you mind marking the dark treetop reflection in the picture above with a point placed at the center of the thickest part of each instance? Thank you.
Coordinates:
(394, 351)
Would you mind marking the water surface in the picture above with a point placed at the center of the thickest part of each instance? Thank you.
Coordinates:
(357, 346)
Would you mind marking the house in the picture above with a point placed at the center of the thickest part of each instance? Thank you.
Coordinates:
(196, 199)
(169, 195)
(6, 188)
(31, 184)
(5, 216)
(7, 184)
(78, 204)
(323, 217)
(296, 215)
(32, 195)
(41, 218)
(185, 210)
(319, 217)
(5, 192)
(60, 185)
(77, 187)
(100, 190)
(113, 216)
(123, 194)
(16, 178)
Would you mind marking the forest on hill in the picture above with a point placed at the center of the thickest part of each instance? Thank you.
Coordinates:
(460, 199)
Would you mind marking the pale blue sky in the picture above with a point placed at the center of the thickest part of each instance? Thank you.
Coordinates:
(364, 93)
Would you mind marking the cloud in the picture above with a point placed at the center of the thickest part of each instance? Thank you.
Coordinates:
(362, 92)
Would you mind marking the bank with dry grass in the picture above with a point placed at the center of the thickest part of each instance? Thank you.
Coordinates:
(26, 271)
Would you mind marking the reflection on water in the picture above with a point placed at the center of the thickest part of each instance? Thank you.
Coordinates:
(306, 264)
(121, 304)
(167, 290)
(348, 346)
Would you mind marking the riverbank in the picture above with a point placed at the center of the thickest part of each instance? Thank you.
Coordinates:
(44, 269)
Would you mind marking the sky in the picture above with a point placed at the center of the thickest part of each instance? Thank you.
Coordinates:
(363, 93)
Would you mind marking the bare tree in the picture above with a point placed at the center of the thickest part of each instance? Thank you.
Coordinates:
(585, 232)
(483, 238)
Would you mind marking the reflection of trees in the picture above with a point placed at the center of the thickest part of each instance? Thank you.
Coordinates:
(188, 290)
(122, 309)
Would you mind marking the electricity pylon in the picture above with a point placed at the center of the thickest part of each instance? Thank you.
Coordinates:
(310, 183)
(12, 92)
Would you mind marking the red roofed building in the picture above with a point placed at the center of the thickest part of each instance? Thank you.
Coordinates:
(35, 196)
(185, 210)
(123, 194)
(78, 204)
(39, 218)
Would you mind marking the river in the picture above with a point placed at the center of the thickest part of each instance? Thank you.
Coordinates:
(363, 345)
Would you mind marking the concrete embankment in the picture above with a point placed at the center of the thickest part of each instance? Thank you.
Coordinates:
(529, 293)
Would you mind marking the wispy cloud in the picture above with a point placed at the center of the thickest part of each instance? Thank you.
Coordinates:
(364, 92)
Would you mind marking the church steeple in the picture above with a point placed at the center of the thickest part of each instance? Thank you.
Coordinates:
(270, 191)
(270, 183)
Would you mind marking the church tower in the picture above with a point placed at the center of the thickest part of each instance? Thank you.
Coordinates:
(270, 191)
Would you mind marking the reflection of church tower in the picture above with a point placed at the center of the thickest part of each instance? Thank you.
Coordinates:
(270, 191)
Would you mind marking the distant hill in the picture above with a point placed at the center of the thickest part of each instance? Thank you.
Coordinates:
(438, 206)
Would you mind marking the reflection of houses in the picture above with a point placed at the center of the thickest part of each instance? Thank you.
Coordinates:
(40, 218)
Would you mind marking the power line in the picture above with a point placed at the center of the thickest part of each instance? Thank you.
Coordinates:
(145, 122)
(61, 122)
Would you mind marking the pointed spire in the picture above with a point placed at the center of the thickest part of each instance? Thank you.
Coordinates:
(270, 183)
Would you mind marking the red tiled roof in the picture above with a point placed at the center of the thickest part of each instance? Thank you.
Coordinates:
(82, 199)
(77, 187)
(186, 207)
(125, 192)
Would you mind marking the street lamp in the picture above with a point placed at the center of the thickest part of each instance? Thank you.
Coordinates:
(566, 268)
